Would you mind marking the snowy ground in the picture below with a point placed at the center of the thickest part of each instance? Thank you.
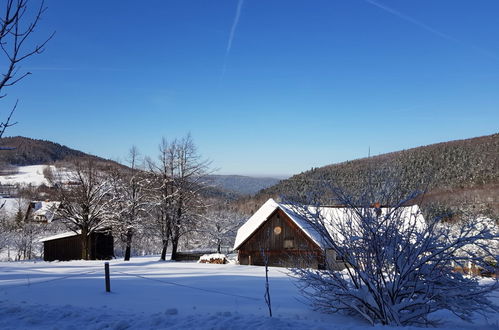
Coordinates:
(147, 294)
(26, 175)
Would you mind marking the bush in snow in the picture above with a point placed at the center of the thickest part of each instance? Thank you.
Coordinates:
(398, 268)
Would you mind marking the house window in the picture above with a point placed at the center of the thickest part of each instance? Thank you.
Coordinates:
(289, 243)
(277, 230)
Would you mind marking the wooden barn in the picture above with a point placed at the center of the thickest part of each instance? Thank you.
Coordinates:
(287, 238)
(67, 246)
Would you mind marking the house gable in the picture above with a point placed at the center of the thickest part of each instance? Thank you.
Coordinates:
(282, 241)
(276, 233)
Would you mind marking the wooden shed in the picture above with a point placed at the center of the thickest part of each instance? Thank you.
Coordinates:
(67, 246)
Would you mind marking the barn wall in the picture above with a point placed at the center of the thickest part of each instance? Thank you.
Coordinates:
(102, 246)
(63, 249)
(69, 248)
(287, 247)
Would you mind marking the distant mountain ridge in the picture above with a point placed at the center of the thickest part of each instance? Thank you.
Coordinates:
(460, 171)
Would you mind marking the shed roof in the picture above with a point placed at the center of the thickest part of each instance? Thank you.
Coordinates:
(61, 235)
(296, 214)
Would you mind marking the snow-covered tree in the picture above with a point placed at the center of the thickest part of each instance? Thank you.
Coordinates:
(162, 194)
(85, 194)
(130, 201)
(22, 234)
(179, 180)
(4, 229)
(219, 226)
(398, 267)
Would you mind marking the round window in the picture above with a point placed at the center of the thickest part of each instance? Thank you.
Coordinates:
(277, 230)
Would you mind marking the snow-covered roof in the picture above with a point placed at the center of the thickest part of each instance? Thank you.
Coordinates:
(255, 221)
(45, 209)
(330, 214)
(61, 235)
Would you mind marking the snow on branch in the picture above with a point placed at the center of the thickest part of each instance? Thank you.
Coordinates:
(398, 268)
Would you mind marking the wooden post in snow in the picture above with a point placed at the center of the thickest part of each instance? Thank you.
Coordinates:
(108, 280)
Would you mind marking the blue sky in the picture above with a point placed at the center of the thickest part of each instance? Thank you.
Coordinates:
(264, 87)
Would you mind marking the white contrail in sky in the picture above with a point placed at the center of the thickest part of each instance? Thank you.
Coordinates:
(429, 28)
(231, 35)
(234, 25)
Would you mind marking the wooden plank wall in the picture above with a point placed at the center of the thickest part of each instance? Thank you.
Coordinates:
(63, 249)
(69, 248)
(287, 247)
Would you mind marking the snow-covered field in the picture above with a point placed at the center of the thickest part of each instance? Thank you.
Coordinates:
(27, 175)
(147, 294)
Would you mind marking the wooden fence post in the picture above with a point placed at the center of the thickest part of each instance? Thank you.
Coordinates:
(108, 280)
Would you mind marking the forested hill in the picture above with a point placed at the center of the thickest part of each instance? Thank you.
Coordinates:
(454, 172)
(241, 185)
(36, 152)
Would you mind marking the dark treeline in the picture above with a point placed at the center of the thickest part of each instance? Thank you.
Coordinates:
(36, 152)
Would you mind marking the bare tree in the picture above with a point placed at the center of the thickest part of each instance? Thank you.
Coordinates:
(22, 233)
(4, 229)
(86, 205)
(188, 180)
(17, 25)
(130, 201)
(264, 251)
(162, 192)
(399, 268)
(220, 225)
(180, 176)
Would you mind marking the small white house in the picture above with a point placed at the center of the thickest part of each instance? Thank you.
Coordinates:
(42, 211)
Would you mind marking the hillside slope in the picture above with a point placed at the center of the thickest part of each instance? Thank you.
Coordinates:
(239, 184)
(454, 172)
(36, 152)
(25, 165)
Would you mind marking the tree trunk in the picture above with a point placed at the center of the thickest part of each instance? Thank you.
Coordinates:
(163, 251)
(174, 248)
(176, 230)
(84, 244)
(127, 252)
(128, 248)
(175, 239)
(219, 247)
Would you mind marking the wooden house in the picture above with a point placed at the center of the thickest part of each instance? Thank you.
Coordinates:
(288, 239)
(282, 235)
(67, 246)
